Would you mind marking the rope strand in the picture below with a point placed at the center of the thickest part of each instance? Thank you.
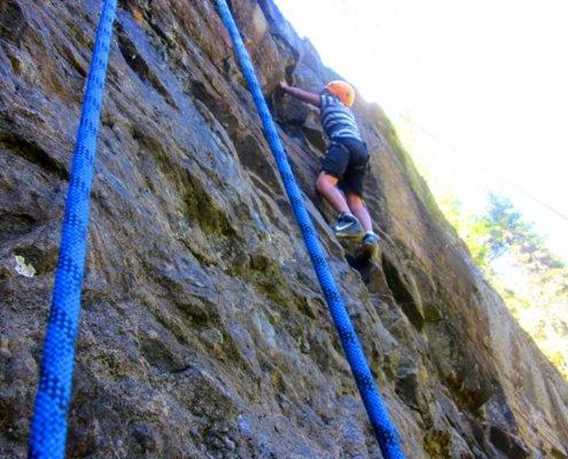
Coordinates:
(385, 431)
(49, 422)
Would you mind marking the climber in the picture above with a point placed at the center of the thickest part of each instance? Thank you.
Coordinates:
(345, 163)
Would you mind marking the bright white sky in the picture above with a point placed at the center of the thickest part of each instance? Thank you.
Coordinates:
(482, 86)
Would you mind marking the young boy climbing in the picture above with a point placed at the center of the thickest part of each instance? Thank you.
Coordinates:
(345, 163)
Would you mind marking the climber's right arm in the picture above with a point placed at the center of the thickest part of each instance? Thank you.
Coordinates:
(304, 96)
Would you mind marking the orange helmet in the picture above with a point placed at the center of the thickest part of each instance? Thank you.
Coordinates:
(343, 90)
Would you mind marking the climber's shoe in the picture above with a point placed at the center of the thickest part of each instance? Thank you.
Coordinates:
(370, 244)
(348, 226)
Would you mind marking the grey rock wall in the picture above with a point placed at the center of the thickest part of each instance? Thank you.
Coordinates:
(203, 332)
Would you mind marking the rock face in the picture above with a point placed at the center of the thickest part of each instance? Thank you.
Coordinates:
(204, 332)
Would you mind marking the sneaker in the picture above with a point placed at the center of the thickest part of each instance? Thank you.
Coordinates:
(370, 243)
(348, 226)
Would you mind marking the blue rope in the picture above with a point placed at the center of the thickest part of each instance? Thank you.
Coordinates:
(49, 423)
(387, 435)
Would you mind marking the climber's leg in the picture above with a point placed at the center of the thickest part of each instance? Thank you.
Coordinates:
(333, 168)
(352, 184)
(327, 186)
(359, 209)
(347, 225)
(371, 239)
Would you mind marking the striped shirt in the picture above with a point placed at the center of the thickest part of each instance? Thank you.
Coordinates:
(337, 119)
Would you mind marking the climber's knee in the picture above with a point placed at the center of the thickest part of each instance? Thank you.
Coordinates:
(325, 182)
(354, 200)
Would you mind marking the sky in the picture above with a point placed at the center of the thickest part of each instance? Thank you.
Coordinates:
(478, 91)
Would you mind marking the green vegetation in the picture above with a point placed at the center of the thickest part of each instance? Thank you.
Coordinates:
(532, 281)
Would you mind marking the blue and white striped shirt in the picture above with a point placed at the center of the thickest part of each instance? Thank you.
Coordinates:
(337, 119)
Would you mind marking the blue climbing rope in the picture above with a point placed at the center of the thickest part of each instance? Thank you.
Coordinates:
(49, 423)
(387, 435)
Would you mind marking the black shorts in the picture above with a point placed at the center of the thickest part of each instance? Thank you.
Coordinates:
(347, 160)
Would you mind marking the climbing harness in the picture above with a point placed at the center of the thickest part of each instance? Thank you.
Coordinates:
(385, 431)
(49, 421)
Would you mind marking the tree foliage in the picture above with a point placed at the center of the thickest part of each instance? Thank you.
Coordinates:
(532, 281)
